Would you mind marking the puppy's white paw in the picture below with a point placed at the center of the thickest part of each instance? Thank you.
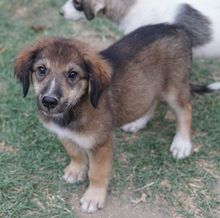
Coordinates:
(180, 148)
(75, 172)
(93, 200)
(136, 125)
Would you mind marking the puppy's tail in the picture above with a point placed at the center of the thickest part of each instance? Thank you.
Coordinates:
(200, 89)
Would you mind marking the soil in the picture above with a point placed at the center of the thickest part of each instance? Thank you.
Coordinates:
(216, 190)
(116, 208)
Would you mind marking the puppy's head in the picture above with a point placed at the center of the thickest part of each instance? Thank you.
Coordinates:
(63, 73)
(82, 9)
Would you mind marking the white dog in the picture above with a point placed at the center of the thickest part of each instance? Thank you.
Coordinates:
(201, 19)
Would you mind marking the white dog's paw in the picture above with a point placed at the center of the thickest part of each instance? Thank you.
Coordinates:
(93, 200)
(136, 125)
(75, 172)
(180, 148)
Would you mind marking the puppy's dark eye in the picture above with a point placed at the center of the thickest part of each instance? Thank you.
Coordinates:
(41, 70)
(78, 5)
(72, 75)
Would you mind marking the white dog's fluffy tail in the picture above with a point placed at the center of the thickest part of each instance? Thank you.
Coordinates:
(205, 88)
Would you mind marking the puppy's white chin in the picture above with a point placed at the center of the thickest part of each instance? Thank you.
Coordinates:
(50, 114)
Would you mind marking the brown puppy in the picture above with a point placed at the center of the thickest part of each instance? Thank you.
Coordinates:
(82, 95)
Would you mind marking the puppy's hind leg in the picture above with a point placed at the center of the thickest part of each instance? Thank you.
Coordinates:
(76, 171)
(140, 123)
(181, 146)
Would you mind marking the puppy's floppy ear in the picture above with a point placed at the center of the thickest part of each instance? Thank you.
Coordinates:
(99, 76)
(92, 10)
(24, 63)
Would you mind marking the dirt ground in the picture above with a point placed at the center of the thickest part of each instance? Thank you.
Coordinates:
(116, 208)
(216, 190)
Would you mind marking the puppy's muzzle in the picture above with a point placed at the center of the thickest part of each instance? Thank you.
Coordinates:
(49, 102)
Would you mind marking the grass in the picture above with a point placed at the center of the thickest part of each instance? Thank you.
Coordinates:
(32, 159)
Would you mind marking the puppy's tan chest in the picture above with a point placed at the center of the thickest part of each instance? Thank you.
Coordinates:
(86, 141)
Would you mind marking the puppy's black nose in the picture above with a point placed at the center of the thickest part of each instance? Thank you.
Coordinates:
(61, 12)
(49, 102)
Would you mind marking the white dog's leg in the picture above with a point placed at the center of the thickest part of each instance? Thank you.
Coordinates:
(140, 123)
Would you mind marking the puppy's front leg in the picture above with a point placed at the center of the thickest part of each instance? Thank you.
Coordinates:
(77, 170)
(100, 167)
